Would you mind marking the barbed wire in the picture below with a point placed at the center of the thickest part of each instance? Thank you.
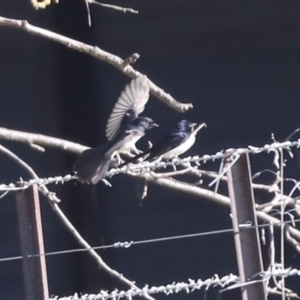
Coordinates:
(188, 287)
(23, 184)
(205, 158)
(265, 276)
(146, 165)
(128, 244)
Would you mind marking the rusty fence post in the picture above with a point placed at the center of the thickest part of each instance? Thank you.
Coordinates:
(32, 243)
(246, 240)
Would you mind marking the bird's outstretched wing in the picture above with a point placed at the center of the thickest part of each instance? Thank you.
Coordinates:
(130, 104)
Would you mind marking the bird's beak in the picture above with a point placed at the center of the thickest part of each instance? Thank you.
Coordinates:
(155, 125)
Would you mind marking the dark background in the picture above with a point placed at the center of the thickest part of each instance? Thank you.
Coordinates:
(236, 61)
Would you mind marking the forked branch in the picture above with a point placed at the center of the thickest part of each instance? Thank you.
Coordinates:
(98, 53)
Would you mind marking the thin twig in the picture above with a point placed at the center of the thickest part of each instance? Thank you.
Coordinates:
(131, 59)
(292, 240)
(170, 174)
(222, 164)
(282, 229)
(211, 174)
(224, 170)
(98, 53)
(123, 9)
(86, 2)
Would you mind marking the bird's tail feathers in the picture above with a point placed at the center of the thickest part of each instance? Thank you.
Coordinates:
(91, 165)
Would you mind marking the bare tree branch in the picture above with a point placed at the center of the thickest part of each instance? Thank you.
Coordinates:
(53, 201)
(97, 53)
(40, 140)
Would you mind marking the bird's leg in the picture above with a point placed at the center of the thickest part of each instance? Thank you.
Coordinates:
(173, 158)
(128, 153)
(135, 150)
(118, 157)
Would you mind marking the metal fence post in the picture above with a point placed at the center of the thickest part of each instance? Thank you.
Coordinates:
(246, 241)
(31, 238)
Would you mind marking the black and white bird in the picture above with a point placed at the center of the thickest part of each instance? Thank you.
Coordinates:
(177, 142)
(124, 128)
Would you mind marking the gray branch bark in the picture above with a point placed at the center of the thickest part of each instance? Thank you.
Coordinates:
(98, 53)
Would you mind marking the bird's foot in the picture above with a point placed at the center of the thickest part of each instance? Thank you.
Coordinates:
(136, 151)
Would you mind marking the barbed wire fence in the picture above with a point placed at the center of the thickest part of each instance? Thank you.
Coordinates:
(176, 161)
(195, 165)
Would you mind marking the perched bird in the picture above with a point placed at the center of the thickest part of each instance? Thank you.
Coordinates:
(181, 139)
(124, 128)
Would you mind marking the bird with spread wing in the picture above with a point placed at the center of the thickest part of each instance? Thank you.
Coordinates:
(124, 128)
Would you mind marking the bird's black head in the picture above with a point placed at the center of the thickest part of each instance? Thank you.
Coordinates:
(147, 123)
(185, 125)
(144, 122)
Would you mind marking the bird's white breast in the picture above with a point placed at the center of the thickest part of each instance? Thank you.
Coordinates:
(181, 148)
(130, 145)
